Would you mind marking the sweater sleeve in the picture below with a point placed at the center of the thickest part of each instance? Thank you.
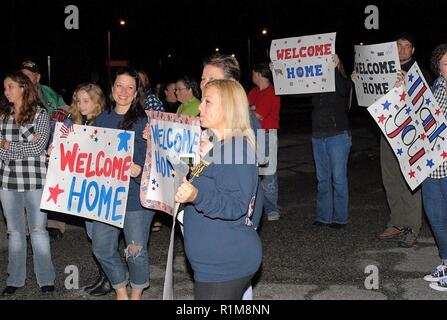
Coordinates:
(21, 150)
(342, 85)
(230, 197)
(140, 145)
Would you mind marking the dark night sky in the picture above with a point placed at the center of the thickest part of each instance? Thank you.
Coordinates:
(189, 30)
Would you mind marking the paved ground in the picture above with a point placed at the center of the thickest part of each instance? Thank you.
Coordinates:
(301, 262)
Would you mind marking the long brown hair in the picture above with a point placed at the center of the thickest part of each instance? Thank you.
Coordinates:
(30, 99)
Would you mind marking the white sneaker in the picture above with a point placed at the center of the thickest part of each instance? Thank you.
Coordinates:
(440, 285)
(438, 274)
(273, 216)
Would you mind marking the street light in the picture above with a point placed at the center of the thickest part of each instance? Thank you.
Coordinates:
(122, 23)
(264, 32)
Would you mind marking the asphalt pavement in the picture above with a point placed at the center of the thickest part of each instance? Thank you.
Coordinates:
(301, 261)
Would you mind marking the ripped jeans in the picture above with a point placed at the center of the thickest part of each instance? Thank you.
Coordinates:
(14, 205)
(136, 234)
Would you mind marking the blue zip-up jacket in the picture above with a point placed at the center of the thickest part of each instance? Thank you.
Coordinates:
(221, 242)
(112, 120)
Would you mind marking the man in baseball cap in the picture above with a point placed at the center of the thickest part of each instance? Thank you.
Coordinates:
(49, 98)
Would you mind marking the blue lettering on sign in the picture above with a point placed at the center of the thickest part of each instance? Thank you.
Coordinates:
(91, 206)
(306, 71)
(95, 198)
(162, 165)
(180, 140)
(169, 133)
(116, 203)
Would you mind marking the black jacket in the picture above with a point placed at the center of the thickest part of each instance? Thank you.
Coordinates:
(329, 116)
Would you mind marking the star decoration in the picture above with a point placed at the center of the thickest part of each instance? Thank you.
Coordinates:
(430, 163)
(427, 101)
(444, 155)
(410, 77)
(96, 139)
(423, 136)
(124, 138)
(438, 112)
(154, 181)
(54, 193)
(408, 110)
(400, 152)
(412, 174)
(381, 119)
(402, 96)
(386, 105)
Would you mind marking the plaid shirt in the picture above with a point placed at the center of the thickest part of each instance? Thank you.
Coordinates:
(439, 91)
(24, 165)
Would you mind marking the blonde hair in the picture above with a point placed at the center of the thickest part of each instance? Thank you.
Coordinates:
(235, 109)
(95, 93)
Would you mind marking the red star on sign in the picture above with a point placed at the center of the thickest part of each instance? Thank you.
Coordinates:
(54, 193)
(444, 155)
(423, 136)
(402, 96)
(437, 112)
(381, 118)
(412, 174)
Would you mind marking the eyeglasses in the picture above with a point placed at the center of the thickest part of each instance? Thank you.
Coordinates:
(179, 89)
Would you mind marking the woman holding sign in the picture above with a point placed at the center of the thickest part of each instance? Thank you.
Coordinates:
(221, 242)
(24, 134)
(127, 113)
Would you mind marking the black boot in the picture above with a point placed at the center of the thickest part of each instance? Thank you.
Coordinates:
(104, 288)
(97, 282)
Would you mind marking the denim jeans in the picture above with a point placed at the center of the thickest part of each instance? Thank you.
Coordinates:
(270, 188)
(89, 228)
(434, 196)
(106, 243)
(331, 156)
(14, 205)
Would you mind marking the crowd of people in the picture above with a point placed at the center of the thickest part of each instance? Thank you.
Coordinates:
(224, 200)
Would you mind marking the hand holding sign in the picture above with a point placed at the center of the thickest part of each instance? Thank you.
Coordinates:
(186, 192)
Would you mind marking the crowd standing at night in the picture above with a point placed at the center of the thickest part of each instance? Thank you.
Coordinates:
(223, 202)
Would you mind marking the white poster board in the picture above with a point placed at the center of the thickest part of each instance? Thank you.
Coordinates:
(88, 173)
(303, 64)
(170, 137)
(376, 67)
(415, 127)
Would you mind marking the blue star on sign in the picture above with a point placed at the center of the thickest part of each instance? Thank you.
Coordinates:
(427, 101)
(408, 110)
(124, 138)
(386, 105)
(154, 181)
(400, 152)
(410, 77)
(430, 163)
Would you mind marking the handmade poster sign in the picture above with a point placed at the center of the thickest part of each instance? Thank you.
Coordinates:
(303, 64)
(414, 125)
(88, 173)
(170, 138)
(376, 67)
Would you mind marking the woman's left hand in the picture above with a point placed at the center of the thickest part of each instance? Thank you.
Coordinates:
(186, 192)
(135, 170)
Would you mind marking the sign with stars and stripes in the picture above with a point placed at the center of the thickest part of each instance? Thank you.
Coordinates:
(414, 126)
(88, 173)
(169, 136)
